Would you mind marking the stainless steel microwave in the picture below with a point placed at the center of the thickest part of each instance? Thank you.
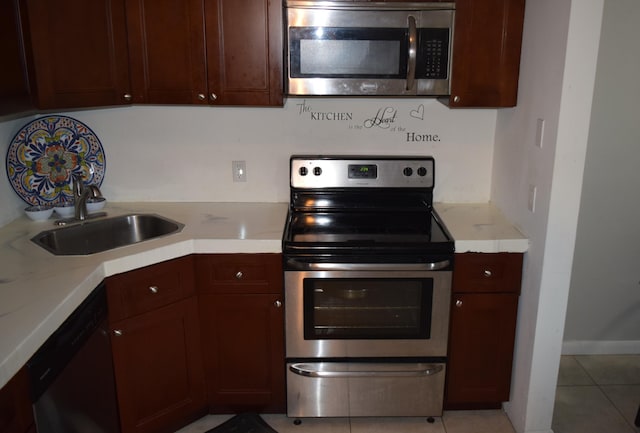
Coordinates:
(363, 48)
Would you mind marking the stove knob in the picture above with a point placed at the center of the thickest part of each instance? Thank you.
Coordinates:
(408, 171)
(303, 171)
(317, 171)
(422, 171)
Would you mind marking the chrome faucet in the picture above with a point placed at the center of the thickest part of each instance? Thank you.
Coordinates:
(81, 193)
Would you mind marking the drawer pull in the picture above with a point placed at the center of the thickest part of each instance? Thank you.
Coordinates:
(153, 289)
(239, 275)
(277, 304)
(487, 273)
(117, 332)
(458, 303)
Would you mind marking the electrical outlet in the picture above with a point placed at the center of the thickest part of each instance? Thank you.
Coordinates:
(239, 171)
(533, 190)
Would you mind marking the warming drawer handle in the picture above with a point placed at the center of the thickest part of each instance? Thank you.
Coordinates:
(308, 370)
(432, 266)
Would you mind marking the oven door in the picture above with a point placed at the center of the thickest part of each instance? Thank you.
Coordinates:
(379, 311)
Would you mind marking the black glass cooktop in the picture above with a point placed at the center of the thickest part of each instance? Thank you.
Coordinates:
(366, 233)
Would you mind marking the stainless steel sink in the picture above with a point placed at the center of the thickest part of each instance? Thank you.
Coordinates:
(105, 234)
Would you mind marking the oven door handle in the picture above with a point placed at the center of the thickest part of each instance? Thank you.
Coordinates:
(305, 266)
(309, 370)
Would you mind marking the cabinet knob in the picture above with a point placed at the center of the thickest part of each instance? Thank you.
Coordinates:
(456, 99)
(213, 96)
(153, 289)
(202, 96)
(239, 275)
(117, 332)
(127, 97)
(487, 273)
(277, 304)
(458, 303)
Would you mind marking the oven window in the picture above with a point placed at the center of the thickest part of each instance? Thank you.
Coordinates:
(362, 308)
(334, 52)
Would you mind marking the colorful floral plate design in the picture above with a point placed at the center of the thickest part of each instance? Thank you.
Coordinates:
(46, 153)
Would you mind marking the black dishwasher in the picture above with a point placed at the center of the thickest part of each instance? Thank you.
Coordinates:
(72, 380)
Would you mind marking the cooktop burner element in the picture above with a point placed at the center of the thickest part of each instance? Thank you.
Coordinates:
(364, 207)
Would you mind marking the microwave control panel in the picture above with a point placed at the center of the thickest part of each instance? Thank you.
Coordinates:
(433, 53)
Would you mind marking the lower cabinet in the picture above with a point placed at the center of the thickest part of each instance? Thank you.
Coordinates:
(484, 307)
(240, 297)
(153, 318)
(16, 414)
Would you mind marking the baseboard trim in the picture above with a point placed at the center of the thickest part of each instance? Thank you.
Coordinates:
(586, 347)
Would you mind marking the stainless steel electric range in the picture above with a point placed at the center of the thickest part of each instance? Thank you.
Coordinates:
(368, 268)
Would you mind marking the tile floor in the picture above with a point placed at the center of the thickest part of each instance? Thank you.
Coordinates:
(596, 394)
(492, 421)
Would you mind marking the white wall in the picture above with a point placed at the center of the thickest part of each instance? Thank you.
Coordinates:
(556, 84)
(156, 153)
(10, 204)
(604, 299)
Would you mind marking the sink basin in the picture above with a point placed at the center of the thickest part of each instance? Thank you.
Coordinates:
(105, 234)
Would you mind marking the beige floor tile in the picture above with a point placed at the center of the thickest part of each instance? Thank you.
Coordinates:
(612, 369)
(477, 421)
(585, 409)
(283, 424)
(205, 423)
(396, 425)
(626, 399)
(572, 373)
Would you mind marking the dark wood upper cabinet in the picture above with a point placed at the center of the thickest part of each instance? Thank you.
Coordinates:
(15, 89)
(486, 53)
(167, 51)
(79, 52)
(244, 52)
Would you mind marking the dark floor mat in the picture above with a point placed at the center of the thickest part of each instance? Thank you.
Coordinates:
(243, 423)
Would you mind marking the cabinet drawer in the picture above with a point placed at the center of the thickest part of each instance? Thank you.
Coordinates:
(148, 288)
(239, 273)
(487, 272)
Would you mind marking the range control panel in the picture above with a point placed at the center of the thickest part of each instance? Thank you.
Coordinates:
(335, 171)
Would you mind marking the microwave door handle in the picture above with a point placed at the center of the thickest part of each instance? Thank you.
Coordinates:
(413, 47)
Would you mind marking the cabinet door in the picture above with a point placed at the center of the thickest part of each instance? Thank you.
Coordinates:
(15, 90)
(16, 414)
(158, 368)
(79, 52)
(486, 53)
(243, 345)
(481, 342)
(166, 51)
(244, 52)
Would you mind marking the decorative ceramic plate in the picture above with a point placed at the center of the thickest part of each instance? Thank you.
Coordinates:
(46, 153)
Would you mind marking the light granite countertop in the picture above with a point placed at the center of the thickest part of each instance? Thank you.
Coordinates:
(481, 228)
(38, 290)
